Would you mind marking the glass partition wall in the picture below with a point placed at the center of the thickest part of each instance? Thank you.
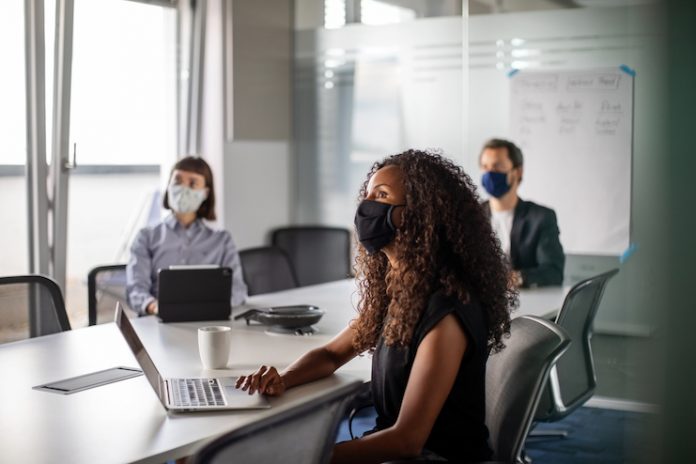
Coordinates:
(363, 92)
(410, 80)
(579, 40)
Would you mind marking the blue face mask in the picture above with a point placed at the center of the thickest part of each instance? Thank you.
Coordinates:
(495, 183)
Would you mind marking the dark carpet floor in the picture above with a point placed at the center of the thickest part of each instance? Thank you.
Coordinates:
(596, 436)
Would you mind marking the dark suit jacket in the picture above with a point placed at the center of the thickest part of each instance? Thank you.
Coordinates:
(535, 249)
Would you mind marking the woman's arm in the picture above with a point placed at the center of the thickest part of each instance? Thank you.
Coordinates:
(138, 274)
(433, 374)
(313, 365)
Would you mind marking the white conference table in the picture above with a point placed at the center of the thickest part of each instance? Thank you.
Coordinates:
(124, 421)
(339, 300)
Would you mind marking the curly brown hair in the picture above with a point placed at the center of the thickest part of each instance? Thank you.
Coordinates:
(446, 243)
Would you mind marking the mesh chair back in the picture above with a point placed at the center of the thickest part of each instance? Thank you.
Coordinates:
(574, 373)
(317, 254)
(514, 381)
(30, 306)
(106, 285)
(266, 269)
(303, 434)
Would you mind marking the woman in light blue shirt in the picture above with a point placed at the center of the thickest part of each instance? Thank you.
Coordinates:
(182, 237)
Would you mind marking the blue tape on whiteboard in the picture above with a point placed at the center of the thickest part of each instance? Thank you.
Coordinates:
(628, 252)
(631, 72)
(512, 72)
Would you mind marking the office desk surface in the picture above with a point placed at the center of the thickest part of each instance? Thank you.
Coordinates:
(119, 422)
(124, 421)
(339, 300)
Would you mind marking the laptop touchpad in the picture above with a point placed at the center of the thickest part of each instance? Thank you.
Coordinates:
(242, 399)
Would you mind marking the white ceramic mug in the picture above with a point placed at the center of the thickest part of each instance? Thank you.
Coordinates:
(214, 346)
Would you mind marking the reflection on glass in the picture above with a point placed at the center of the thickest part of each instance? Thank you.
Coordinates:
(375, 12)
(365, 92)
(334, 13)
(339, 13)
(376, 120)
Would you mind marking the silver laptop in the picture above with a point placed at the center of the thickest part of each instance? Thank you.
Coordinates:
(192, 394)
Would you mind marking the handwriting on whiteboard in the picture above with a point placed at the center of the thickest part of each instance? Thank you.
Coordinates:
(568, 105)
(575, 129)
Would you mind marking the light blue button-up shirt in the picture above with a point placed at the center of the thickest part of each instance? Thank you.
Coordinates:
(169, 243)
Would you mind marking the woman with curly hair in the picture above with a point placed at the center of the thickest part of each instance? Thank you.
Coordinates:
(435, 300)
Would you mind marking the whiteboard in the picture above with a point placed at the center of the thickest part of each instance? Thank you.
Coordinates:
(575, 129)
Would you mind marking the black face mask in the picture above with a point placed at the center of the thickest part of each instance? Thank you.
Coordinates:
(374, 224)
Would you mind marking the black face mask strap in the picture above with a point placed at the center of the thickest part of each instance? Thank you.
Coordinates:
(389, 215)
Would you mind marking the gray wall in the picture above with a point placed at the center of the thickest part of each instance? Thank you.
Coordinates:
(255, 158)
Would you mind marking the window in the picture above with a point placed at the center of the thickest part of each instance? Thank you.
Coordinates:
(123, 125)
(13, 197)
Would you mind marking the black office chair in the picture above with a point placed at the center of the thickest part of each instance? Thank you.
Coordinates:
(106, 285)
(515, 379)
(266, 269)
(318, 254)
(32, 305)
(573, 380)
(303, 434)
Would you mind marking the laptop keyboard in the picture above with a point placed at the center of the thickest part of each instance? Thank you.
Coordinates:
(196, 393)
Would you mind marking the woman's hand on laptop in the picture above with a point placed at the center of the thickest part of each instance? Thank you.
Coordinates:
(266, 380)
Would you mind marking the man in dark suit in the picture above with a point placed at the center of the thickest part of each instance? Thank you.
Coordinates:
(528, 232)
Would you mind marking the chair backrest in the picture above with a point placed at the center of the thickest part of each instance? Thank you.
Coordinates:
(147, 213)
(303, 434)
(514, 381)
(573, 380)
(318, 254)
(31, 306)
(266, 269)
(106, 285)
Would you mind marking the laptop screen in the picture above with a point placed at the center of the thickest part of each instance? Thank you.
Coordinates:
(144, 359)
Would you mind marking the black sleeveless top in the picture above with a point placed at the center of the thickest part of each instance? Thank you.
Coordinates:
(459, 432)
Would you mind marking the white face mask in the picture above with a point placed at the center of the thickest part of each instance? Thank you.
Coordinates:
(184, 199)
